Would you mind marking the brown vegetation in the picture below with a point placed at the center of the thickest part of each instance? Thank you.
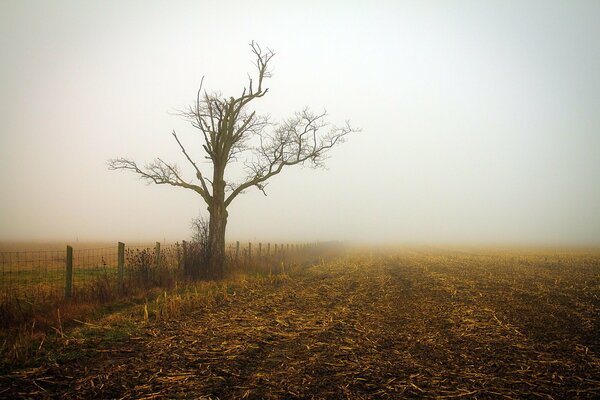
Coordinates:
(418, 324)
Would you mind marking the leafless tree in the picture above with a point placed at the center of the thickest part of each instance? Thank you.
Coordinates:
(231, 131)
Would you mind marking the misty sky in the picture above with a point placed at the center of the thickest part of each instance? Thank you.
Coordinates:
(480, 120)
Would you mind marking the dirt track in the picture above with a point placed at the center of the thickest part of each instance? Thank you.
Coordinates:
(411, 326)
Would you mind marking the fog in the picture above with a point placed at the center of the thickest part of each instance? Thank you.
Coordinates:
(480, 120)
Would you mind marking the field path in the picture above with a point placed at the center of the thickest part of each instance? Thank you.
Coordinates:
(401, 327)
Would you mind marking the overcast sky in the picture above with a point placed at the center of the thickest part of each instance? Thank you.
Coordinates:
(480, 120)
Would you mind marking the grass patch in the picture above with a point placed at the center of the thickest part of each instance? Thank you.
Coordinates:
(76, 332)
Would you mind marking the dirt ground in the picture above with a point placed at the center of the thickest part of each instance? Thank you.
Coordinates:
(418, 324)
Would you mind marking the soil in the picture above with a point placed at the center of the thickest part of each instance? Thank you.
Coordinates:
(411, 325)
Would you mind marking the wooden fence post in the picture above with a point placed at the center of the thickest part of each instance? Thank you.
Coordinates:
(237, 251)
(249, 251)
(259, 249)
(69, 274)
(157, 253)
(121, 264)
(268, 249)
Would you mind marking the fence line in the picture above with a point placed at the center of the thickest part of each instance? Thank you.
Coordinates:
(38, 277)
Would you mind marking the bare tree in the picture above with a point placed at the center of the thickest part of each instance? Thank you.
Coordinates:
(231, 132)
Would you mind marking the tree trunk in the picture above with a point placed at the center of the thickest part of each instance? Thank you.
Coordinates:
(216, 239)
(216, 227)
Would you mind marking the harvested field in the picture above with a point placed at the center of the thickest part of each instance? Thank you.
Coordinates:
(416, 324)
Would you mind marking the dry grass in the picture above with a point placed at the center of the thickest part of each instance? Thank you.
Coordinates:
(34, 274)
(421, 323)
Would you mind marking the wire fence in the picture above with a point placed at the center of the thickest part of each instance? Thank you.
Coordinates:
(32, 275)
(34, 279)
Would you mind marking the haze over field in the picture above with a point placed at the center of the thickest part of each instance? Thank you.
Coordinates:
(479, 121)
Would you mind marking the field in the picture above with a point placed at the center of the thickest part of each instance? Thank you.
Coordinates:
(407, 323)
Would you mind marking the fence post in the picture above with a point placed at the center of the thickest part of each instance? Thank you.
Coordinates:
(269, 249)
(237, 251)
(259, 249)
(249, 251)
(157, 253)
(121, 264)
(69, 274)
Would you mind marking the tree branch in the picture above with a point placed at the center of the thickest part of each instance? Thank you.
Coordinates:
(198, 173)
(229, 128)
(296, 141)
(158, 172)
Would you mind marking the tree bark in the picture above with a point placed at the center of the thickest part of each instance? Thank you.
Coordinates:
(216, 226)
(216, 238)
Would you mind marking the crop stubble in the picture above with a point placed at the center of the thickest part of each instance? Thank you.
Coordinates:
(418, 324)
